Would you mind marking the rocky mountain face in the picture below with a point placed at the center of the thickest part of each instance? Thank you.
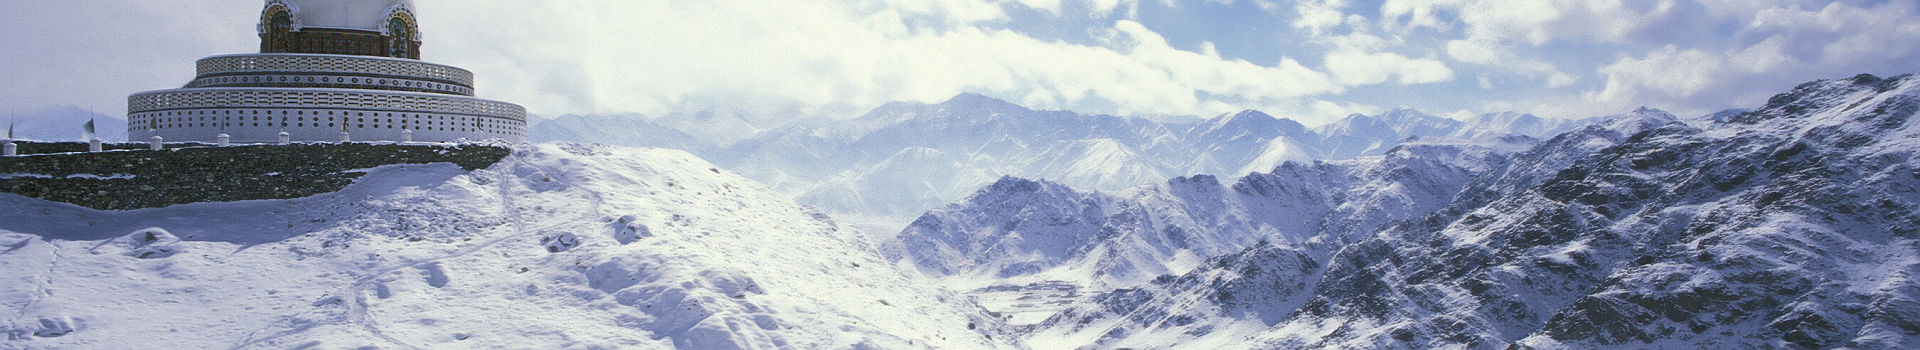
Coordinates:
(1018, 227)
(1790, 226)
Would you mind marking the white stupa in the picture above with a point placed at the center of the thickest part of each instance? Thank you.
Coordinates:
(326, 67)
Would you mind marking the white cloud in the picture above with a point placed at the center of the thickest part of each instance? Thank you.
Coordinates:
(1837, 40)
(1050, 6)
(1231, 77)
(1671, 71)
(1493, 28)
(1533, 22)
(1742, 8)
(1844, 33)
(1482, 53)
(962, 11)
(1362, 68)
(654, 57)
(1557, 79)
(1416, 13)
(1331, 110)
(1674, 77)
(1318, 16)
(1473, 52)
(1095, 7)
(1103, 7)
(1510, 20)
(1359, 57)
(606, 56)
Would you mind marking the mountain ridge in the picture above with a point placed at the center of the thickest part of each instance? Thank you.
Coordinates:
(1787, 226)
(996, 137)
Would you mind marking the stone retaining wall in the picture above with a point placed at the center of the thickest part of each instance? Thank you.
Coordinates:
(133, 179)
(32, 147)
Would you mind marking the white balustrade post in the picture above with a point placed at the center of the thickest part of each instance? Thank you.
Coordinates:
(406, 135)
(222, 140)
(9, 149)
(156, 144)
(93, 145)
(285, 138)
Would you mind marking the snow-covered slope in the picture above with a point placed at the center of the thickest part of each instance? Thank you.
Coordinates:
(1791, 226)
(558, 246)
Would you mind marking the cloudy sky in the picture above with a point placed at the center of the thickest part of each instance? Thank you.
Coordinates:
(1309, 60)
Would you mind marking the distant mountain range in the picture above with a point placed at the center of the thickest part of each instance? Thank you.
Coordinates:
(64, 123)
(901, 159)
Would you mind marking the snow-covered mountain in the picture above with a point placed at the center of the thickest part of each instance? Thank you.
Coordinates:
(1019, 227)
(557, 246)
(897, 185)
(1013, 227)
(64, 123)
(1507, 123)
(1103, 153)
(619, 130)
(1250, 137)
(850, 166)
(721, 128)
(1789, 226)
(1358, 135)
(1102, 164)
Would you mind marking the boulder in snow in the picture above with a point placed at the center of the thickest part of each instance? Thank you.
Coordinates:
(628, 229)
(149, 243)
(560, 242)
(54, 327)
